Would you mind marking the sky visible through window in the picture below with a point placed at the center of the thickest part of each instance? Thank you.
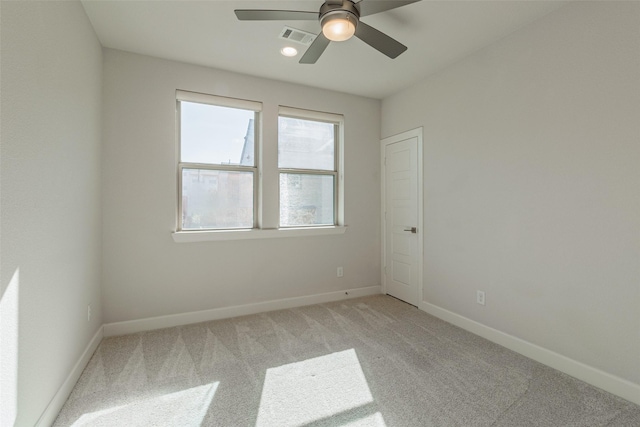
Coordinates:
(212, 134)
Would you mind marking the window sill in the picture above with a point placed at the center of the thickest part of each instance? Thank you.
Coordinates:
(214, 235)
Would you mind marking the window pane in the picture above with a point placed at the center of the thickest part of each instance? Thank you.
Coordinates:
(305, 144)
(306, 199)
(216, 135)
(216, 199)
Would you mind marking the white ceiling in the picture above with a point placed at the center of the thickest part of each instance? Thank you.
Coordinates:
(438, 33)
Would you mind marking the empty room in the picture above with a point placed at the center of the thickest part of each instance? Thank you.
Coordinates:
(307, 213)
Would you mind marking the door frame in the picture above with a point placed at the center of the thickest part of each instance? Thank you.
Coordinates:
(417, 133)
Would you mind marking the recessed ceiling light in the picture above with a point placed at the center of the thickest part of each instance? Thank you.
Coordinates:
(289, 51)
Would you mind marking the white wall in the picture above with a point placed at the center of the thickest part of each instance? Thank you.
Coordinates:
(50, 221)
(531, 157)
(145, 273)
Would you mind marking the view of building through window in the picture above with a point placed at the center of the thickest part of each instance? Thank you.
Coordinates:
(218, 170)
(306, 158)
(220, 195)
(216, 199)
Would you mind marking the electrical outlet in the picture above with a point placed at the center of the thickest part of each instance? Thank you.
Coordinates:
(89, 313)
(480, 297)
(340, 272)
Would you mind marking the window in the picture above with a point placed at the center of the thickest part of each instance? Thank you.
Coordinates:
(217, 169)
(226, 192)
(308, 167)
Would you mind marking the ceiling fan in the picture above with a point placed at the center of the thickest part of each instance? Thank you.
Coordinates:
(340, 20)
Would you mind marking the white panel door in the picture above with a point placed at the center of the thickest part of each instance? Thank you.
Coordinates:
(401, 220)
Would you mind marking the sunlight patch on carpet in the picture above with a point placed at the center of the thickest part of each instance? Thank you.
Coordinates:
(300, 393)
(183, 408)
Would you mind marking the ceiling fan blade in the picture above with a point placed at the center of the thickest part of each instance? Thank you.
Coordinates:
(315, 50)
(379, 41)
(373, 6)
(275, 15)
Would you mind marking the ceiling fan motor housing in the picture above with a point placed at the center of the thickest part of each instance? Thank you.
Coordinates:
(345, 9)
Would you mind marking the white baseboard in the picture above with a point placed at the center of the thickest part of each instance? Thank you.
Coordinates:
(147, 324)
(51, 412)
(611, 383)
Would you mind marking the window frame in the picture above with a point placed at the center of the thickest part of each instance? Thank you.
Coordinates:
(218, 101)
(337, 121)
(260, 230)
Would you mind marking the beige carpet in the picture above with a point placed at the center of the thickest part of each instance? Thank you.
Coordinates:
(371, 361)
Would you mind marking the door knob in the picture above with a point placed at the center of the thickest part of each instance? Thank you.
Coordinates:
(414, 230)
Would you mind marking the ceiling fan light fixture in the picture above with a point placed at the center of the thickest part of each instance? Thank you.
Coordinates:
(339, 26)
